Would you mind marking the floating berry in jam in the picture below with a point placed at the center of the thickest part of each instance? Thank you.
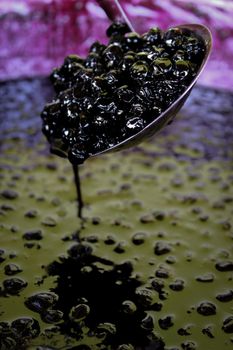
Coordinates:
(118, 89)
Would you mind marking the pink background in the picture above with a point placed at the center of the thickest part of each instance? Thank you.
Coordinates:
(36, 35)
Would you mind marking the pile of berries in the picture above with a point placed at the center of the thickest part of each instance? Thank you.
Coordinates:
(118, 88)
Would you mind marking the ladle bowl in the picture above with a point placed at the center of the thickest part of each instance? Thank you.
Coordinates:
(168, 115)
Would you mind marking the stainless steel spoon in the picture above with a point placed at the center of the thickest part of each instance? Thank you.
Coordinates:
(115, 12)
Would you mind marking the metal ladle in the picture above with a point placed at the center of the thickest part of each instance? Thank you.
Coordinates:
(115, 13)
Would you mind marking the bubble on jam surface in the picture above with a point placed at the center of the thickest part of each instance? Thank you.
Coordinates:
(18, 333)
(139, 238)
(178, 285)
(51, 316)
(225, 296)
(9, 194)
(224, 266)
(162, 248)
(13, 285)
(166, 322)
(33, 235)
(206, 278)
(41, 301)
(125, 347)
(206, 308)
(80, 312)
(228, 325)
(208, 331)
(145, 73)
(12, 269)
(189, 345)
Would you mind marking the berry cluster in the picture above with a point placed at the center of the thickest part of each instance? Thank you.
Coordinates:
(118, 89)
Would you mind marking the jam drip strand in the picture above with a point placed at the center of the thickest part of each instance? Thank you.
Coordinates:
(77, 181)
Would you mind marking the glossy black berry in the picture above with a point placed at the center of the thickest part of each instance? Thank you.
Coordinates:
(139, 71)
(112, 55)
(124, 95)
(132, 41)
(97, 47)
(117, 28)
(126, 62)
(134, 125)
(111, 80)
(173, 38)
(153, 36)
(181, 69)
(161, 66)
(92, 61)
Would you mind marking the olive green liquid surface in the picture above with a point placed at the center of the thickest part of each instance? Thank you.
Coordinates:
(163, 208)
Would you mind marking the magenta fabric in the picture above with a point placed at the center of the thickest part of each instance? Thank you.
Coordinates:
(36, 35)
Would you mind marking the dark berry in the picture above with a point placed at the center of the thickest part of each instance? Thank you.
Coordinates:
(139, 71)
(153, 36)
(117, 28)
(161, 66)
(111, 80)
(69, 136)
(181, 69)
(97, 85)
(195, 48)
(92, 60)
(134, 125)
(133, 41)
(142, 56)
(112, 55)
(96, 47)
(173, 38)
(126, 62)
(137, 110)
(124, 95)
(179, 55)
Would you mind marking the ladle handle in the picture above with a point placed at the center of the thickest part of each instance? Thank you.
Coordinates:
(115, 12)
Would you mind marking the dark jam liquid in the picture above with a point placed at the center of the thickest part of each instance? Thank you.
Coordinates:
(78, 190)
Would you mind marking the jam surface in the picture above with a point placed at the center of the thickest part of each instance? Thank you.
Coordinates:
(155, 248)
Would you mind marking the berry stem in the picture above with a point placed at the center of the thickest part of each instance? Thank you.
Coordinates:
(115, 12)
(78, 190)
